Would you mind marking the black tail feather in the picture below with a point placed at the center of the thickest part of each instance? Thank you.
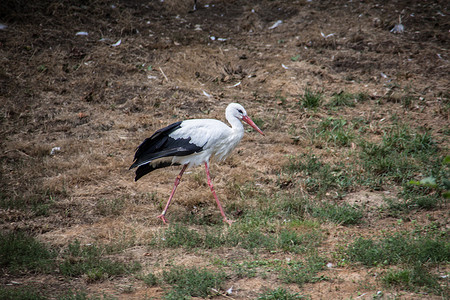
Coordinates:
(145, 169)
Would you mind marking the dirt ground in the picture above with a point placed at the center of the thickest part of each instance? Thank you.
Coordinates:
(82, 83)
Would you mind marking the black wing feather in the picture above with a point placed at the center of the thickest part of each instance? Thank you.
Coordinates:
(160, 145)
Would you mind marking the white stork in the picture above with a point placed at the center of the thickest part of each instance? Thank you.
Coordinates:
(191, 143)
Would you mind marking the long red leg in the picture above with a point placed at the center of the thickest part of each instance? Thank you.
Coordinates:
(162, 216)
(229, 222)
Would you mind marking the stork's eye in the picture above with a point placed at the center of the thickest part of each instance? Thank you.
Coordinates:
(240, 111)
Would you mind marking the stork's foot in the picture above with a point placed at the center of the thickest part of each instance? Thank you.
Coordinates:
(229, 222)
(163, 218)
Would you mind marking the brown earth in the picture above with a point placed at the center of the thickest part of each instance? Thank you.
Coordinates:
(97, 99)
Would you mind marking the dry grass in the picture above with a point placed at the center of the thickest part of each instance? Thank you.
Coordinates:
(97, 102)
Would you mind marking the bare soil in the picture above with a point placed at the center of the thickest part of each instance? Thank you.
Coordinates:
(141, 65)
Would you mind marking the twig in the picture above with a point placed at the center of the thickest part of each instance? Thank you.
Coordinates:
(164, 74)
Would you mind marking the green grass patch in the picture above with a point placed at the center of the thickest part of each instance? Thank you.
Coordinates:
(243, 235)
(399, 249)
(346, 99)
(414, 253)
(301, 272)
(292, 241)
(181, 236)
(320, 178)
(150, 279)
(281, 294)
(20, 252)
(335, 131)
(192, 282)
(415, 279)
(343, 214)
(399, 156)
(22, 293)
(294, 206)
(89, 260)
(310, 99)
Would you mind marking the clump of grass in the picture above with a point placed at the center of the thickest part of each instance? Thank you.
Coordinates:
(414, 278)
(252, 239)
(303, 272)
(319, 177)
(292, 241)
(150, 279)
(342, 99)
(335, 131)
(181, 236)
(344, 214)
(399, 156)
(22, 293)
(421, 197)
(88, 260)
(413, 252)
(245, 235)
(192, 282)
(347, 99)
(281, 294)
(294, 206)
(310, 99)
(398, 249)
(21, 252)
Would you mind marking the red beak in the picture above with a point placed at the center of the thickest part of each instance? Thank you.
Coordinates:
(249, 121)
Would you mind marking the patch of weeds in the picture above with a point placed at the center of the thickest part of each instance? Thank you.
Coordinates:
(281, 294)
(414, 279)
(437, 183)
(310, 99)
(399, 248)
(291, 241)
(344, 214)
(80, 295)
(335, 131)
(359, 124)
(22, 293)
(245, 270)
(428, 193)
(255, 239)
(320, 177)
(150, 279)
(243, 235)
(192, 282)
(420, 197)
(88, 260)
(20, 252)
(294, 206)
(399, 156)
(304, 272)
(181, 236)
(295, 57)
(342, 99)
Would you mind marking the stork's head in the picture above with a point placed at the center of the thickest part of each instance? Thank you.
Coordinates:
(238, 111)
